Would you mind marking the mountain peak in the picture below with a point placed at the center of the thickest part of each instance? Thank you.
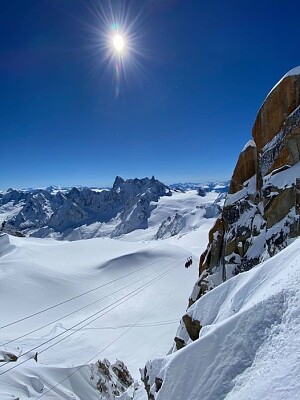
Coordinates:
(118, 182)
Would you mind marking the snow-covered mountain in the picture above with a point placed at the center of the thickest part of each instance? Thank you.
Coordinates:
(238, 338)
(82, 213)
(219, 186)
(43, 213)
(141, 278)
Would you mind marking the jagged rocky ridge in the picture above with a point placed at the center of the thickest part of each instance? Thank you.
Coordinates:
(42, 213)
(260, 215)
(261, 212)
(260, 218)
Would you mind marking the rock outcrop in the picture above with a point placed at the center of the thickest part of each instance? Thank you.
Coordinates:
(261, 211)
(112, 379)
(260, 217)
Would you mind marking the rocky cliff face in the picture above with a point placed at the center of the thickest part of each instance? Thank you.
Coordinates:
(261, 212)
(260, 217)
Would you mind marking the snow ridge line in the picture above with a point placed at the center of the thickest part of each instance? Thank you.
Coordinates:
(115, 304)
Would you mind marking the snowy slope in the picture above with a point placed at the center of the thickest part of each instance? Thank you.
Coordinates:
(249, 342)
(37, 273)
(192, 210)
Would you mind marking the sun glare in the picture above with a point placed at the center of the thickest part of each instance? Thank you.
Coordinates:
(117, 33)
(118, 43)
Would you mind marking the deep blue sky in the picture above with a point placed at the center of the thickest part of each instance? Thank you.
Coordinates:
(205, 68)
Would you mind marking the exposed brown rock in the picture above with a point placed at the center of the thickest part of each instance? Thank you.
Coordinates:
(202, 259)
(280, 103)
(180, 343)
(230, 247)
(145, 380)
(122, 373)
(245, 168)
(7, 357)
(104, 367)
(280, 161)
(112, 379)
(279, 206)
(210, 257)
(193, 327)
(276, 135)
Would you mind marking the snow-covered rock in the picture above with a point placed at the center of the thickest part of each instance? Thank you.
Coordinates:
(182, 222)
(262, 209)
(112, 379)
(248, 345)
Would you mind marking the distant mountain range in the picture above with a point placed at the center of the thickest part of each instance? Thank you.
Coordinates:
(219, 186)
(43, 211)
(81, 212)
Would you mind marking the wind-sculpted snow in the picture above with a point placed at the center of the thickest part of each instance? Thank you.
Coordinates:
(5, 245)
(100, 380)
(249, 341)
(44, 213)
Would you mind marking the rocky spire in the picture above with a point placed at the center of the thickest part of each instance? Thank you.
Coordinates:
(118, 182)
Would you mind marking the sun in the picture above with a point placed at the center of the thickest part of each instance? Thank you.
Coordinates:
(118, 43)
(117, 40)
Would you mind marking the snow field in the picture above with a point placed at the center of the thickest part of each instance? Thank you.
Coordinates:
(249, 344)
(138, 311)
(38, 273)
